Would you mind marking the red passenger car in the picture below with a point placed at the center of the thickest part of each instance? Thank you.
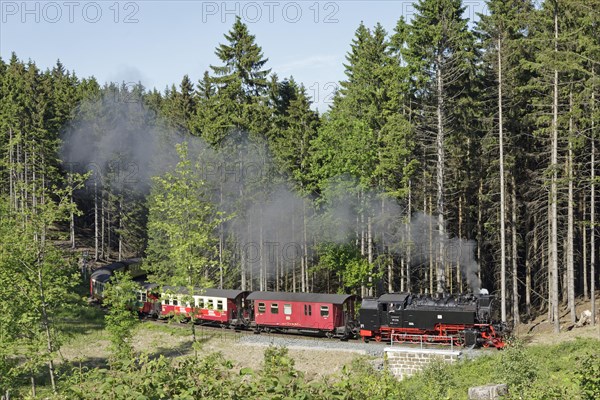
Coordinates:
(220, 306)
(312, 313)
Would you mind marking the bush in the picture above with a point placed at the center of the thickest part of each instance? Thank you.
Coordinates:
(589, 377)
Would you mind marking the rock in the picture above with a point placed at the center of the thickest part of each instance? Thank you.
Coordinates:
(584, 319)
(488, 392)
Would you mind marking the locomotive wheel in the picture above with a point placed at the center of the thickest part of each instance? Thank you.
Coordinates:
(329, 335)
(378, 338)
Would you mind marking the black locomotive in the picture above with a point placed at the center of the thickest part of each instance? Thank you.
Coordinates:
(467, 320)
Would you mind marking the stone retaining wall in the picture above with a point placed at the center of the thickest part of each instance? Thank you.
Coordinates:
(404, 361)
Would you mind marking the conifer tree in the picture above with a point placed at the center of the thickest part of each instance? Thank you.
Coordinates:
(241, 86)
(440, 55)
(502, 33)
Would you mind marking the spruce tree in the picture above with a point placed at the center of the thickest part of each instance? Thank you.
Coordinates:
(440, 54)
(241, 86)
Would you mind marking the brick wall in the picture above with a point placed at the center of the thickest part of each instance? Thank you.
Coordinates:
(404, 361)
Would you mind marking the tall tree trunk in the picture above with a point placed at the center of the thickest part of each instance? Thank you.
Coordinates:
(25, 179)
(294, 286)
(120, 227)
(96, 253)
(593, 213)
(221, 238)
(431, 249)
(261, 265)
(390, 272)
(460, 235)
(549, 265)
(528, 266)
(103, 225)
(479, 226)
(585, 249)
(570, 220)
(409, 239)
(108, 227)
(515, 280)
(305, 248)
(71, 213)
(440, 177)
(248, 264)
(502, 190)
(363, 288)
(554, 188)
(402, 288)
(243, 258)
(243, 283)
(45, 318)
(33, 179)
(19, 180)
(11, 172)
(370, 252)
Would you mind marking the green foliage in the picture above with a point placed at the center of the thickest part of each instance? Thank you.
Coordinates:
(516, 368)
(536, 372)
(346, 261)
(234, 99)
(181, 223)
(361, 381)
(120, 295)
(588, 375)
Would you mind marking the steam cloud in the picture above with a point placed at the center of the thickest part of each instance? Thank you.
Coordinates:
(126, 144)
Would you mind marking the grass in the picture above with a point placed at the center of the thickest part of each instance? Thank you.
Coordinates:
(542, 369)
(535, 372)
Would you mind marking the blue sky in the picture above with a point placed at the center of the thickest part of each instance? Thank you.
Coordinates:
(157, 42)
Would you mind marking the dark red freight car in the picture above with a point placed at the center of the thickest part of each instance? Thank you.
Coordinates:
(331, 315)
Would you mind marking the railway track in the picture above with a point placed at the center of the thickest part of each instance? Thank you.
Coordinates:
(290, 340)
(216, 330)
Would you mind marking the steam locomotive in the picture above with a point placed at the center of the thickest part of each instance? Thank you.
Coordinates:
(462, 320)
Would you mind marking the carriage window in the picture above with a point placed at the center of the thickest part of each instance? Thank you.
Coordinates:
(261, 308)
(173, 301)
(287, 309)
(274, 308)
(324, 311)
(307, 309)
(200, 302)
(143, 297)
(211, 304)
(220, 305)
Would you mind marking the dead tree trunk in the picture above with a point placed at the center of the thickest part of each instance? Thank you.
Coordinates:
(554, 188)
(440, 177)
(570, 221)
(96, 253)
(593, 215)
(502, 190)
(11, 171)
(515, 280)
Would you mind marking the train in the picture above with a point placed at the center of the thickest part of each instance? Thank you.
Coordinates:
(469, 320)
